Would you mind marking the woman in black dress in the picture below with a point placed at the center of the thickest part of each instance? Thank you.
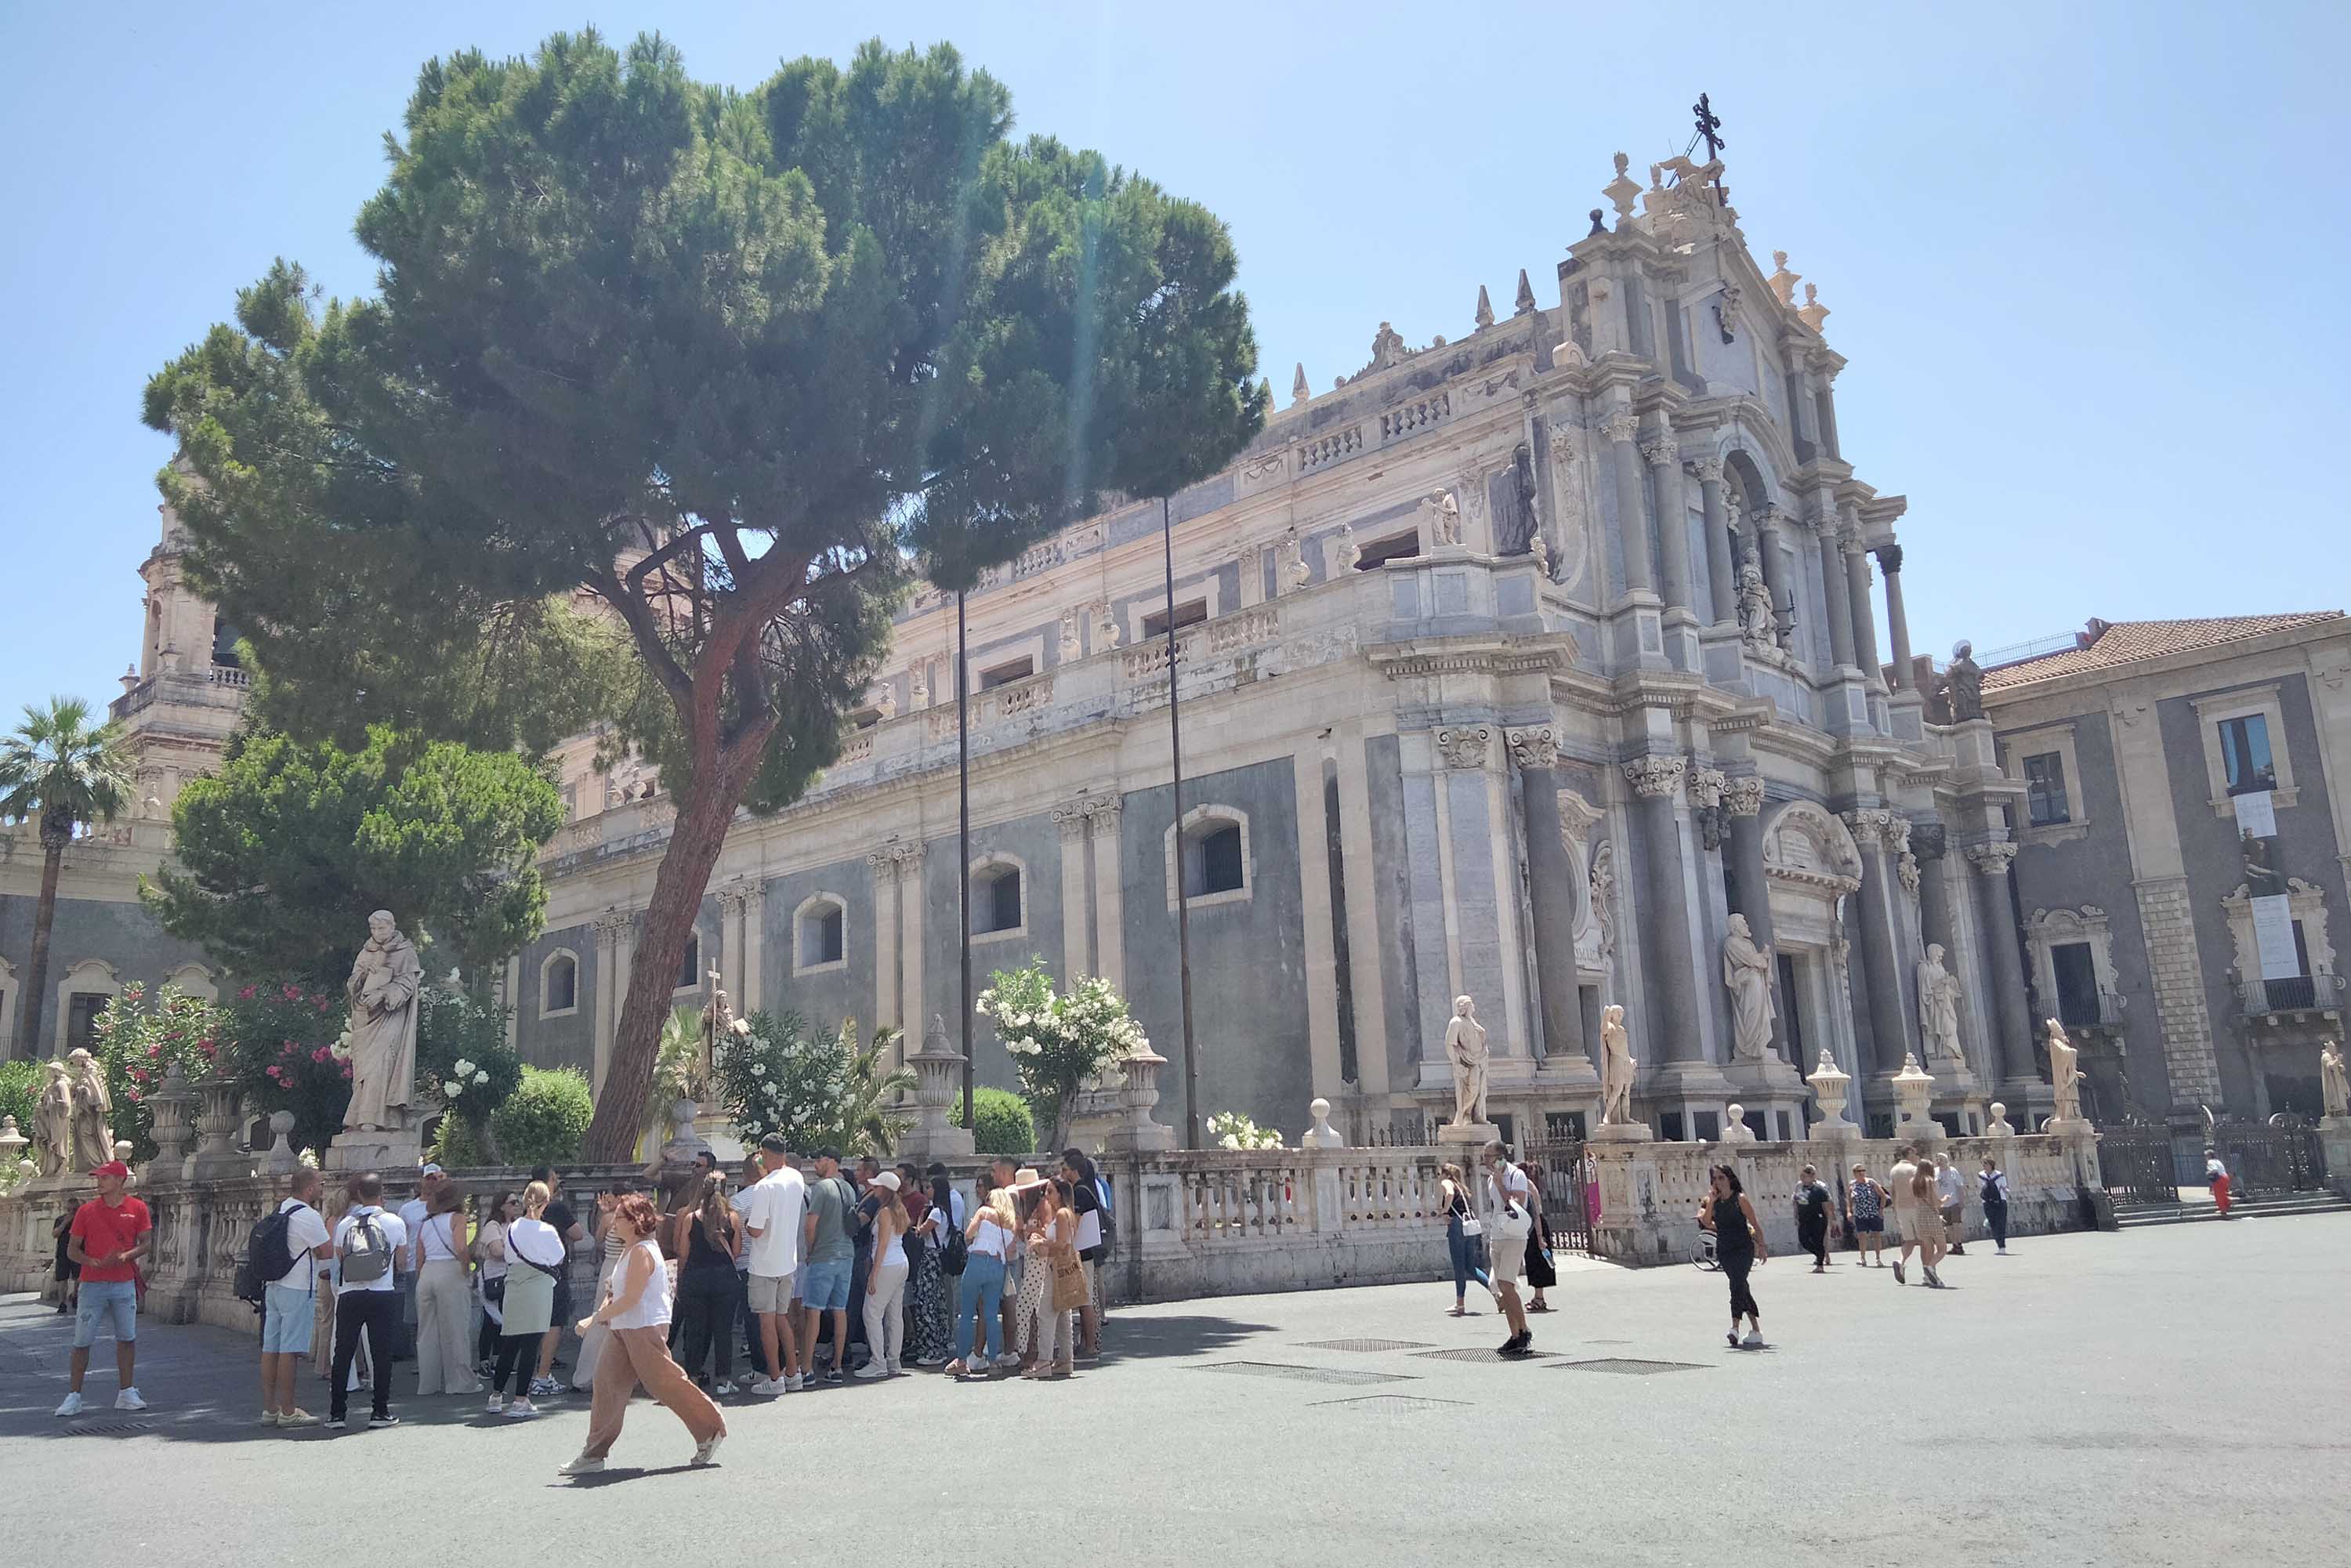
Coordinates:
(1738, 1247)
(1540, 1274)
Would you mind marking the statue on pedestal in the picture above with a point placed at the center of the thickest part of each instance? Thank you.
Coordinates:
(1963, 685)
(2064, 1074)
(2334, 1084)
(53, 1122)
(1444, 518)
(1617, 1066)
(1938, 1006)
(93, 1139)
(1758, 620)
(382, 1037)
(719, 1025)
(1465, 1046)
(1747, 974)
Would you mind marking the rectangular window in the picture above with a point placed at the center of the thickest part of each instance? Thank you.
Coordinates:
(2245, 754)
(2077, 984)
(1188, 613)
(2045, 789)
(1003, 675)
(81, 1019)
(1395, 547)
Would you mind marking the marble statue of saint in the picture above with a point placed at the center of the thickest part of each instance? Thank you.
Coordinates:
(1747, 974)
(1964, 684)
(1617, 1066)
(93, 1139)
(2334, 1084)
(382, 1035)
(1539, 549)
(53, 1122)
(719, 1026)
(1446, 517)
(1758, 622)
(1465, 1047)
(1938, 1006)
(2064, 1073)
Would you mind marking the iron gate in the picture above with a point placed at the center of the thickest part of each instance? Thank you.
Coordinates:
(2281, 1156)
(2137, 1161)
(1559, 1170)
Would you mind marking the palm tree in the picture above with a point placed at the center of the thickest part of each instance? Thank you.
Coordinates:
(871, 1122)
(58, 767)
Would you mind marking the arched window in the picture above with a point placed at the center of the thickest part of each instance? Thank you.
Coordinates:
(1212, 857)
(689, 964)
(996, 897)
(819, 934)
(559, 983)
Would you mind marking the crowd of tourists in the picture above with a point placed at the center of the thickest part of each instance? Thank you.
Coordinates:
(817, 1272)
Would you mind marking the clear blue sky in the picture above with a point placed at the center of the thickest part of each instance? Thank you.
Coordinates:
(2077, 255)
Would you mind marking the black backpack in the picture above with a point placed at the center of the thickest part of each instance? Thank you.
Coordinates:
(268, 1257)
(955, 1252)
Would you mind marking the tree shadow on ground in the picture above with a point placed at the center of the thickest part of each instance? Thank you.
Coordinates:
(1127, 1338)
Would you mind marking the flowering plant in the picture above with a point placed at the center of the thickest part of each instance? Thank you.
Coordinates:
(1231, 1130)
(1058, 1040)
(776, 1075)
(138, 1038)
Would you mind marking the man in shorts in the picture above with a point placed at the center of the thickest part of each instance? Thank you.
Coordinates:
(1510, 1195)
(831, 1253)
(111, 1235)
(775, 1221)
(290, 1302)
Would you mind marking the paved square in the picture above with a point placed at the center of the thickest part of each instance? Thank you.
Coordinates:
(2169, 1396)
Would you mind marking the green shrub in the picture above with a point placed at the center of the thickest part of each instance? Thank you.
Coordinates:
(460, 1145)
(1003, 1124)
(20, 1092)
(545, 1120)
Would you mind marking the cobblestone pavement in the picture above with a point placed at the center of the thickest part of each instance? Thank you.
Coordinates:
(2168, 1395)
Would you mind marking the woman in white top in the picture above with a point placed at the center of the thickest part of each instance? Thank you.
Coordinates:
(536, 1256)
(490, 1275)
(989, 1234)
(634, 1311)
(885, 1281)
(444, 1303)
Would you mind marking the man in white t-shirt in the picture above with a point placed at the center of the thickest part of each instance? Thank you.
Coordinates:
(367, 1297)
(1508, 1195)
(290, 1303)
(1951, 1197)
(775, 1217)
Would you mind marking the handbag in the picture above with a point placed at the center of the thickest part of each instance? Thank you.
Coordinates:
(1069, 1283)
(1472, 1225)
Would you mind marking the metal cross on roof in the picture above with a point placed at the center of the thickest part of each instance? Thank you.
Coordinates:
(1709, 123)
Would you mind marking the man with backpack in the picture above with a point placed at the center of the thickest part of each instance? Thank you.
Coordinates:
(367, 1297)
(283, 1258)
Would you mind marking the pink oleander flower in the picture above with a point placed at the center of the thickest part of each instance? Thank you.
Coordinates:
(293, 993)
(275, 1070)
(246, 995)
(347, 1069)
(322, 1053)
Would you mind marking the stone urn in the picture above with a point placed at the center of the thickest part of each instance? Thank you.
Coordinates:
(13, 1143)
(1139, 1132)
(1831, 1084)
(1914, 1087)
(218, 1120)
(171, 1131)
(939, 1086)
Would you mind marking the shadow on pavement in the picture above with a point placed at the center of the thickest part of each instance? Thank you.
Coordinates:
(1155, 1339)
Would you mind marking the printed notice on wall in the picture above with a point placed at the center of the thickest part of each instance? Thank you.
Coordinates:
(2256, 815)
(2274, 937)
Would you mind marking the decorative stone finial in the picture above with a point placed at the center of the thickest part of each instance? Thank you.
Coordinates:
(1526, 294)
(1814, 312)
(1485, 317)
(1322, 1135)
(1622, 192)
(1782, 282)
(1298, 391)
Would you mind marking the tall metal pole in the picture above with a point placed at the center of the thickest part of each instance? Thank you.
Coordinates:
(963, 844)
(1183, 904)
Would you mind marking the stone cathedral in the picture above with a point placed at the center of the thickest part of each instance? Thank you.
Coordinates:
(1542, 666)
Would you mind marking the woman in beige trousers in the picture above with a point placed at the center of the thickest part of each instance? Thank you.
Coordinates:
(444, 1303)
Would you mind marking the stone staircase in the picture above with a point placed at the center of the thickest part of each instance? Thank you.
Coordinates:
(2322, 1201)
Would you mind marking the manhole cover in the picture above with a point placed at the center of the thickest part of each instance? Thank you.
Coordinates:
(1391, 1403)
(1631, 1366)
(108, 1428)
(1482, 1356)
(1366, 1344)
(1303, 1374)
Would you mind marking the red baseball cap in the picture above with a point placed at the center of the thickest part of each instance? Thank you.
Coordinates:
(111, 1168)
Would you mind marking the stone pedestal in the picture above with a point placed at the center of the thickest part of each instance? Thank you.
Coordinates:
(386, 1149)
(1623, 1132)
(685, 1139)
(1770, 1086)
(1470, 1135)
(282, 1157)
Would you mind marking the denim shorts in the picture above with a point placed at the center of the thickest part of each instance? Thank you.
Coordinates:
(287, 1318)
(103, 1297)
(824, 1287)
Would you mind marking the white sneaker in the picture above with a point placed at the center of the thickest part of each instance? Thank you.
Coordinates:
(521, 1410)
(129, 1400)
(869, 1372)
(2000, 1253)
(583, 1465)
(725, 1389)
(795, 1382)
(1007, 1362)
(70, 1404)
(706, 1453)
(497, 1404)
(1753, 1341)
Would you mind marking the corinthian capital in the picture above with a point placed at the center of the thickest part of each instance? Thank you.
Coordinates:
(1992, 860)
(1467, 746)
(1621, 426)
(1709, 470)
(1655, 777)
(1661, 450)
(1890, 559)
(1705, 785)
(735, 896)
(611, 924)
(1743, 796)
(1533, 748)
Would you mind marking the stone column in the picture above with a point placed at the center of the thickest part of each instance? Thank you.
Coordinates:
(613, 931)
(906, 868)
(1929, 842)
(1722, 575)
(510, 996)
(1664, 454)
(1840, 602)
(1553, 894)
(1110, 892)
(1632, 509)
(730, 936)
(1668, 957)
(1077, 929)
(750, 999)
(1881, 959)
(1996, 918)
(889, 993)
(1865, 618)
(1742, 804)
(1897, 624)
(1767, 519)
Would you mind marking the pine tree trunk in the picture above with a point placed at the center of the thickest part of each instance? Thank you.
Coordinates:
(37, 969)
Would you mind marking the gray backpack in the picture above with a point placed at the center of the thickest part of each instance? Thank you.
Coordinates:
(366, 1259)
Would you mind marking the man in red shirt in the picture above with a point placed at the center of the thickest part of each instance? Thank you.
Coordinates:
(111, 1236)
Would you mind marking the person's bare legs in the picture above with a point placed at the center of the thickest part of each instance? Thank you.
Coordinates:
(1507, 1291)
(547, 1351)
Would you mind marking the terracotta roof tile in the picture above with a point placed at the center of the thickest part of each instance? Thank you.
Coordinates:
(2129, 642)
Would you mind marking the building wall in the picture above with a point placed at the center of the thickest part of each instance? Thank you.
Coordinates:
(123, 935)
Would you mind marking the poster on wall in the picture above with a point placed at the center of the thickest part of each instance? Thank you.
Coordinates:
(2274, 937)
(2256, 815)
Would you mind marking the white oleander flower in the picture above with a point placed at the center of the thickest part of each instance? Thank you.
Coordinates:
(481, 1075)
(453, 1088)
(464, 1067)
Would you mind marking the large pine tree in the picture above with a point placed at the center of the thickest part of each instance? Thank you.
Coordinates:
(725, 366)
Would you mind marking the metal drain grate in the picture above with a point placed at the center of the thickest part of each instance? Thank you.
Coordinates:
(1631, 1366)
(1393, 1403)
(108, 1428)
(1483, 1355)
(1303, 1374)
(1366, 1344)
